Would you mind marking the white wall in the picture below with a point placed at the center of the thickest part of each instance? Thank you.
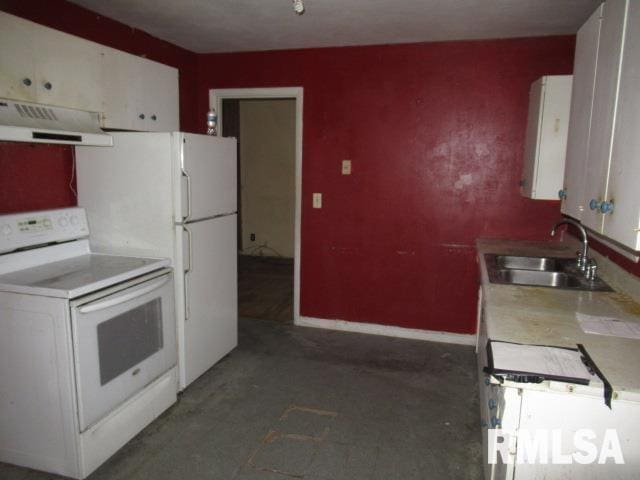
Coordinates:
(267, 175)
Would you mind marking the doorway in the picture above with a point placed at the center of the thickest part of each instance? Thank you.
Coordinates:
(268, 126)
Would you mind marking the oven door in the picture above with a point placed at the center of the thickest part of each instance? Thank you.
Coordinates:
(122, 342)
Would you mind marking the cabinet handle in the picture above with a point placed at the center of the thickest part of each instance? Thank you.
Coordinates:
(606, 207)
(141, 116)
(492, 404)
(48, 85)
(26, 81)
(594, 204)
(154, 117)
(562, 194)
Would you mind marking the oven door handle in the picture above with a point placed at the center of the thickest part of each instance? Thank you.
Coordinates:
(131, 295)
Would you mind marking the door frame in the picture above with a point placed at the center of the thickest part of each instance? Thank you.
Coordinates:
(216, 96)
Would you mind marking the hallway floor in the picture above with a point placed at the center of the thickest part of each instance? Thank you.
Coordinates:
(265, 288)
(298, 403)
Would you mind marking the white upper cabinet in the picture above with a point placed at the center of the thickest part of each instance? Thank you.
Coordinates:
(40, 64)
(17, 59)
(140, 94)
(623, 192)
(160, 94)
(610, 170)
(68, 71)
(584, 77)
(121, 93)
(546, 139)
(605, 99)
(43, 65)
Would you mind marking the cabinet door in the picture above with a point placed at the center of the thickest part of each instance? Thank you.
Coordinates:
(604, 101)
(623, 223)
(532, 139)
(68, 71)
(584, 76)
(17, 62)
(139, 94)
(552, 147)
(122, 91)
(546, 140)
(159, 97)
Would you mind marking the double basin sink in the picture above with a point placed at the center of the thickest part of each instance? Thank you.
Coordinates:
(549, 272)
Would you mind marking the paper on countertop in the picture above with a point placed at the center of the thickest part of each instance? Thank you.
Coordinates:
(539, 360)
(613, 327)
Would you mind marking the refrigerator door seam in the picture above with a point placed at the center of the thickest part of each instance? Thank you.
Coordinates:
(204, 219)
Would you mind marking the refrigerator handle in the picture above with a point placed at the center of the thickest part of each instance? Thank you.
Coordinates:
(186, 175)
(186, 273)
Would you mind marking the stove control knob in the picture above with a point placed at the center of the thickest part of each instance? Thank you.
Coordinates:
(47, 223)
(63, 222)
(6, 229)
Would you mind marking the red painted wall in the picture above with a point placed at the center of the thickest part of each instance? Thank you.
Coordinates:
(37, 177)
(435, 133)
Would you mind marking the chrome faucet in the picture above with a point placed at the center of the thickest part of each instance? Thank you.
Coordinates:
(583, 257)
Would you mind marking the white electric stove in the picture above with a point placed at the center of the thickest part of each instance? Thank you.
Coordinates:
(87, 341)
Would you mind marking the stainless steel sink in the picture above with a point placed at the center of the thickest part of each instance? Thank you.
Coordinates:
(527, 263)
(537, 278)
(552, 272)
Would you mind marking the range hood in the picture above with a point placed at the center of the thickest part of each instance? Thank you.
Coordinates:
(32, 122)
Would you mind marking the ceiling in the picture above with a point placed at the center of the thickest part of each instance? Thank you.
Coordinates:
(206, 26)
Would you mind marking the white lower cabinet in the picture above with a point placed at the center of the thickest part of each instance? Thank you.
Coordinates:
(540, 425)
(530, 413)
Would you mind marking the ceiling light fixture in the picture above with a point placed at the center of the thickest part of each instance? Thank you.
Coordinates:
(298, 7)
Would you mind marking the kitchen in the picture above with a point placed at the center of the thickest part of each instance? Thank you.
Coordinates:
(435, 132)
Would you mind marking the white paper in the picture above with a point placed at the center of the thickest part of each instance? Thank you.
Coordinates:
(539, 360)
(613, 327)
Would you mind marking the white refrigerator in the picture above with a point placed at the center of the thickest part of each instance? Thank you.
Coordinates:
(173, 195)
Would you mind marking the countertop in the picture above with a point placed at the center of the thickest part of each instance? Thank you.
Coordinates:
(547, 316)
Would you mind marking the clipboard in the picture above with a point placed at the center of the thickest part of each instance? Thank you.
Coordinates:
(525, 363)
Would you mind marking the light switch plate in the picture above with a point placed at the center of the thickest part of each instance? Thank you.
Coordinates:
(346, 167)
(317, 200)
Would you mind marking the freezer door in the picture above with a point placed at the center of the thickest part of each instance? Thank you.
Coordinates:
(209, 176)
(210, 326)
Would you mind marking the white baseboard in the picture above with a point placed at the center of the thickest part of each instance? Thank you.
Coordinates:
(387, 330)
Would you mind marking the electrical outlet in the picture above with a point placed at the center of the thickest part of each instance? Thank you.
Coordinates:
(252, 237)
(317, 200)
(346, 167)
